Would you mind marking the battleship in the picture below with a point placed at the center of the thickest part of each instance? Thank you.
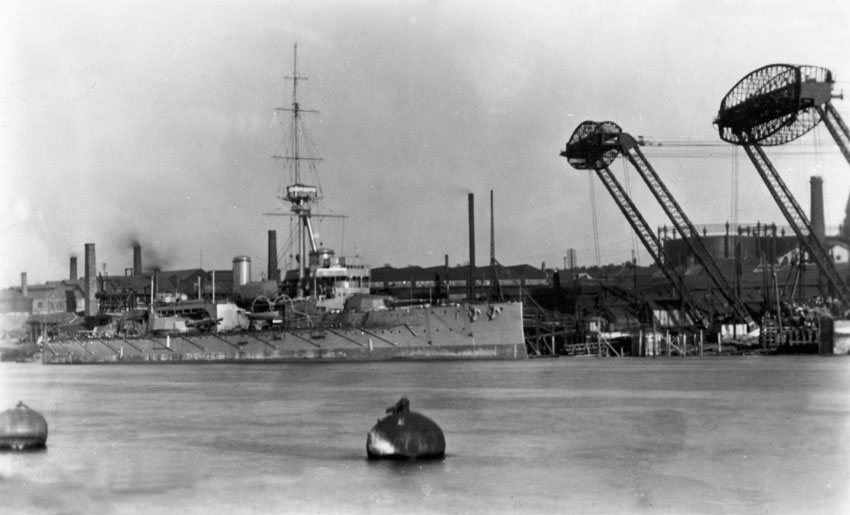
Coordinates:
(320, 311)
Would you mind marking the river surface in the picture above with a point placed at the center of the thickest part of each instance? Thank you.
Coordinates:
(766, 435)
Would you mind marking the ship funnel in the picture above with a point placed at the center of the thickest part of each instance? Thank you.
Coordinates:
(241, 270)
(274, 273)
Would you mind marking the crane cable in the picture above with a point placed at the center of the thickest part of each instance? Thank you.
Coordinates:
(819, 172)
(593, 215)
(635, 252)
(733, 215)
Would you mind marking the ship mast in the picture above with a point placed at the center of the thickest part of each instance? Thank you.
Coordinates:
(298, 195)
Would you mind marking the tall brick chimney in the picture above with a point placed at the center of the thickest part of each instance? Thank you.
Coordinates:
(470, 286)
(25, 291)
(137, 260)
(73, 271)
(91, 279)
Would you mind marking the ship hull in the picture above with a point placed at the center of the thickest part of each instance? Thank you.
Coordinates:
(487, 331)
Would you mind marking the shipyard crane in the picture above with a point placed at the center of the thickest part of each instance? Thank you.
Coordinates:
(774, 105)
(584, 151)
(595, 145)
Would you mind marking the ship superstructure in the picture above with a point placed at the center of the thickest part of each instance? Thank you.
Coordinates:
(323, 275)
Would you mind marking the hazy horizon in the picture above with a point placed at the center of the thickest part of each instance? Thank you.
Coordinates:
(156, 123)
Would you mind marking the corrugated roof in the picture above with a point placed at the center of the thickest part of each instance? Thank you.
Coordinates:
(457, 273)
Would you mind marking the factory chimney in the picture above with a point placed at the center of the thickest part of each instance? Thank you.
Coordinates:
(137, 260)
(73, 272)
(91, 279)
(24, 288)
(274, 273)
(492, 233)
(818, 226)
(470, 281)
(497, 288)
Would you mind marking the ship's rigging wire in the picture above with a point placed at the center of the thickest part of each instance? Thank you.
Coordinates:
(313, 153)
(286, 249)
(282, 178)
(297, 138)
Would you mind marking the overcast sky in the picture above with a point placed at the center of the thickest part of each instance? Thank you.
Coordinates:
(155, 121)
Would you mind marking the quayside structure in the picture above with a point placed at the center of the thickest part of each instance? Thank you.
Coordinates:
(594, 145)
(774, 105)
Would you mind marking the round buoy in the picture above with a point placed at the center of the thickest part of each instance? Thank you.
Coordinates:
(22, 428)
(405, 435)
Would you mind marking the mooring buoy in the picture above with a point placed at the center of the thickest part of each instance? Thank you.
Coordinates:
(22, 428)
(405, 435)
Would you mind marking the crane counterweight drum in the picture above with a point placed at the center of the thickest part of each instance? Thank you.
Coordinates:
(591, 145)
(774, 105)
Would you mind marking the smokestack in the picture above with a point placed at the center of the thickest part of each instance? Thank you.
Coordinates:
(91, 278)
(73, 274)
(25, 291)
(241, 270)
(492, 233)
(470, 283)
(497, 288)
(137, 260)
(818, 226)
(274, 274)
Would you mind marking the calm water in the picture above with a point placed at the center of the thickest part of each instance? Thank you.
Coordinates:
(711, 435)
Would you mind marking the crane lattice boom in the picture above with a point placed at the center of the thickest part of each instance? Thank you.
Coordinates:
(773, 105)
(596, 145)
